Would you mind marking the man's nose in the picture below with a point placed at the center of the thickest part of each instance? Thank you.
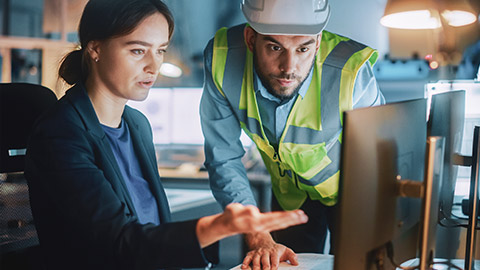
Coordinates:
(287, 64)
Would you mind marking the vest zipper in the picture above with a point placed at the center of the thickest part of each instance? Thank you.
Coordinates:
(276, 158)
(294, 175)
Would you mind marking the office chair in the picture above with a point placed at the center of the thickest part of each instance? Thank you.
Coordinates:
(20, 105)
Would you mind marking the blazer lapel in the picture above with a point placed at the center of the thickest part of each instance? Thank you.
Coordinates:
(79, 99)
(148, 164)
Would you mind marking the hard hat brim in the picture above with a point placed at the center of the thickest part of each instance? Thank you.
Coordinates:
(296, 30)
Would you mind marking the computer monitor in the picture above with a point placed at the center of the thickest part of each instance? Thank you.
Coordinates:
(380, 146)
(435, 156)
(473, 203)
(446, 119)
(173, 115)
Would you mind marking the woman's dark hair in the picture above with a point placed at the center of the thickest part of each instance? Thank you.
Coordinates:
(105, 19)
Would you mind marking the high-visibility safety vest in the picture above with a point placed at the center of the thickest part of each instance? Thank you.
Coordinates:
(308, 158)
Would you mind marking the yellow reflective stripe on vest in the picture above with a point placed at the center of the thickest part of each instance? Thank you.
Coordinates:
(219, 57)
(239, 78)
(346, 89)
(329, 41)
(247, 102)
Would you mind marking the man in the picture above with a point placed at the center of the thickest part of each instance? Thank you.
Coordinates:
(285, 82)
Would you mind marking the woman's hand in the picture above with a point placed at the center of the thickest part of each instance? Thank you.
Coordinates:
(238, 218)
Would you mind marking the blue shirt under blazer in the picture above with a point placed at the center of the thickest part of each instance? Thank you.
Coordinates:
(83, 212)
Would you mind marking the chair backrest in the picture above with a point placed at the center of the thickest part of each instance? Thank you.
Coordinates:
(20, 105)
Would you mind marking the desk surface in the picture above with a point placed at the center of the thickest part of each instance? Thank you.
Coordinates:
(191, 172)
(314, 261)
(182, 199)
(191, 178)
(186, 172)
(442, 263)
(307, 261)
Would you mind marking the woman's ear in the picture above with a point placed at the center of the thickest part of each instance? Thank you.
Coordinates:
(249, 35)
(93, 49)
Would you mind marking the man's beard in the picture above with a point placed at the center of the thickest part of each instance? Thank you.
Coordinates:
(268, 86)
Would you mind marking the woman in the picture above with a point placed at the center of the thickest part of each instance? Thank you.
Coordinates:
(96, 195)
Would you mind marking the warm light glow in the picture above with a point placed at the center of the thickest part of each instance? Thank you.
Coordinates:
(458, 17)
(434, 65)
(33, 70)
(170, 70)
(418, 19)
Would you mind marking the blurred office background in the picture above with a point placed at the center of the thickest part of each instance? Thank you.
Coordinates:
(36, 34)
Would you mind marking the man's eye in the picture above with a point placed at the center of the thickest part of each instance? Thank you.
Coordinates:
(137, 51)
(304, 49)
(275, 48)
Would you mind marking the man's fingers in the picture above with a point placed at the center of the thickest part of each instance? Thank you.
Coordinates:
(265, 261)
(274, 260)
(256, 262)
(290, 256)
(246, 262)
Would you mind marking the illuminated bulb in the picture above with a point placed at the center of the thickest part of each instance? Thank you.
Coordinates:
(458, 17)
(33, 70)
(170, 70)
(418, 19)
(434, 65)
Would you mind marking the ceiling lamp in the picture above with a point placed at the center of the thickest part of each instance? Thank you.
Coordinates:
(416, 19)
(411, 14)
(170, 70)
(425, 14)
(458, 17)
(457, 12)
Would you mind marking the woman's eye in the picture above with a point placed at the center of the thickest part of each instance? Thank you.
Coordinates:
(137, 51)
(161, 51)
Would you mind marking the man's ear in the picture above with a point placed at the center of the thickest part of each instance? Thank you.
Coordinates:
(319, 40)
(93, 49)
(249, 35)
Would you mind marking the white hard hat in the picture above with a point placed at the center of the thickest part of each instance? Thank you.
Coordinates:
(287, 17)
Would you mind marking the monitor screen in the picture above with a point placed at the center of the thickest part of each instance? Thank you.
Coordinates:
(472, 119)
(380, 145)
(174, 116)
(157, 107)
(446, 119)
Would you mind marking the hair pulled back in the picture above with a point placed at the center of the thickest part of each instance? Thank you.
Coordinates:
(105, 19)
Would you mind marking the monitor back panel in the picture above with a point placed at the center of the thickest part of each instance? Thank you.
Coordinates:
(380, 145)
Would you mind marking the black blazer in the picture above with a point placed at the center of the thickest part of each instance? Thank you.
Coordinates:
(83, 213)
